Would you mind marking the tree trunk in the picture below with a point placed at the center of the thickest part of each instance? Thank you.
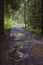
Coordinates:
(42, 17)
(25, 13)
(1, 29)
(1, 18)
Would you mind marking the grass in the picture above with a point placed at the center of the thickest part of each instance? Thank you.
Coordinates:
(31, 29)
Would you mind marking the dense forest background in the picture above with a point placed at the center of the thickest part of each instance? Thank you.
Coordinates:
(25, 11)
(28, 12)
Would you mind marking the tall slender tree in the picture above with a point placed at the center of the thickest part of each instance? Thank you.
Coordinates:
(1, 18)
(42, 17)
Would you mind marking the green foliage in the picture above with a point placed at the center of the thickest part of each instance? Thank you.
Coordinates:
(31, 29)
(33, 13)
(8, 23)
(13, 4)
(15, 8)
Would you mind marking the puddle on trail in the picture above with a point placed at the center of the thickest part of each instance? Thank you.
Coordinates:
(38, 51)
(17, 34)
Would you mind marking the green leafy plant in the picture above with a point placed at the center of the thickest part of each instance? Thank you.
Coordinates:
(31, 29)
(8, 23)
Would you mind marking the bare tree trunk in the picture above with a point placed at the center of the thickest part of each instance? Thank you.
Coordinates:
(1, 29)
(1, 18)
(42, 17)
(25, 13)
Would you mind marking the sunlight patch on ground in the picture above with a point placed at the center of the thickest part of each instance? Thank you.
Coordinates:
(16, 34)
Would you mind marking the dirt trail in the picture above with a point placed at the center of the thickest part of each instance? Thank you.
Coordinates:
(28, 38)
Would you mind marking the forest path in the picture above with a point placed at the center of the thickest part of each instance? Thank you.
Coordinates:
(18, 28)
(17, 35)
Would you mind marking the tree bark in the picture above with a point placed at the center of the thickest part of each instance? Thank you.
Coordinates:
(42, 17)
(25, 13)
(1, 29)
(1, 18)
